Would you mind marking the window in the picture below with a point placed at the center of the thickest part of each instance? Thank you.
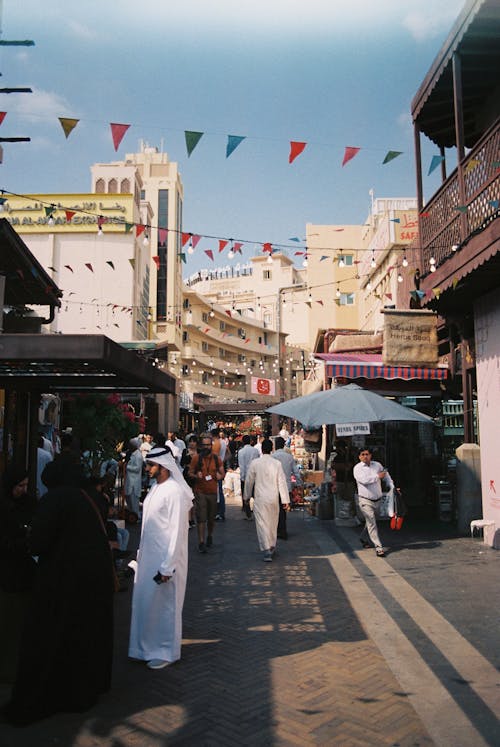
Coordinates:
(204, 347)
(241, 358)
(204, 377)
(346, 258)
(185, 370)
(125, 187)
(242, 333)
(222, 353)
(185, 336)
(267, 274)
(99, 186)
(346, 299)
(112, 187)
(185, 303)
(222, 380)
(204, 317)
(222, 326)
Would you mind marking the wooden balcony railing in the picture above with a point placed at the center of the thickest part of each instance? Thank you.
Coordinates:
(448, 222)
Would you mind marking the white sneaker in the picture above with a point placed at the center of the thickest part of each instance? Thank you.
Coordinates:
(157, 663)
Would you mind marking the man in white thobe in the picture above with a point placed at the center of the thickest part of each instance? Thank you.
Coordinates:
(266, 481)
(162, 562)
(133, 476)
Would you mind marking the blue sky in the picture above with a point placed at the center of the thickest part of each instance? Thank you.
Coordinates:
(332, 73)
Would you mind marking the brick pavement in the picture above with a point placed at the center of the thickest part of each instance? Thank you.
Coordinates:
(273, 655)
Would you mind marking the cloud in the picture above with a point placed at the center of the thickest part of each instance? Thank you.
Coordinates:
(40, 104)
(405, 123)
(423, 25)
(81, 31)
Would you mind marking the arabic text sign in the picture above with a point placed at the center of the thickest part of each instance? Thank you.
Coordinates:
(352, 429)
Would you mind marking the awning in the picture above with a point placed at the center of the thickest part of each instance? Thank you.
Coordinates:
(366, 366)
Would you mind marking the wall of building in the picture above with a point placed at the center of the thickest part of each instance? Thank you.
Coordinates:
(487, 338)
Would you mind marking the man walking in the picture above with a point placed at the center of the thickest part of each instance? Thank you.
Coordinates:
(162, 560)
(206, 469)
(290, 468)
(246, 455)
(368, 475)
(266, 481)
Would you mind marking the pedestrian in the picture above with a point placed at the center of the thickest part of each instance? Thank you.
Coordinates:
(67, 644)
(291, 469)
(175, 450)
(246, 455)
(368, 475)
(162, 563)
(17, 567)
(219, 447)
(206, 469)
(190, 452)
(133, 476)
(266, 481)
(42, 459)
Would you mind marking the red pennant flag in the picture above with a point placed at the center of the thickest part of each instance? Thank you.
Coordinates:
(194, 241)
(267, 247)
(222, 245)
(296, 149)
(389, 296)
(2, 116)
(139, 229)
(69, 215)
(228, 313)
(300, 253)
(237, 248)
(320, 302)
(69, 267)
(87, 264)
(424, 215)
(162, 235)
(185, 238)
(156, 260)
(247, 340)
(349, 153)
(210, 254)
(117, 133)
(101, 220)
(206, 330)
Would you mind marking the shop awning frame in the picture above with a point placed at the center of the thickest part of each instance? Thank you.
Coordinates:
(364, 366)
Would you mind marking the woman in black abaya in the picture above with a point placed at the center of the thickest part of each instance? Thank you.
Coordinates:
(67, 643)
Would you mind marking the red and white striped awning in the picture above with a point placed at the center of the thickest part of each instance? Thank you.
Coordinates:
(370, 366)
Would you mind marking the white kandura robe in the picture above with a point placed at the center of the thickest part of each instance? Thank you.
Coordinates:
(156, 627)
(266, 481)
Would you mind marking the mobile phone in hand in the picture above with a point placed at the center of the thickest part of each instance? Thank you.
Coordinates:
(158, 579)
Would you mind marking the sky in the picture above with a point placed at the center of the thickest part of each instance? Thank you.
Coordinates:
(330, 73)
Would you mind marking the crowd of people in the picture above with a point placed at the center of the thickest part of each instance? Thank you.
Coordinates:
(62, 552)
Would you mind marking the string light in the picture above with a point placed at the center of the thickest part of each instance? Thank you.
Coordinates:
(405, 261)
(337, 292)
(400, 278)
(341, 261)
(373, 262)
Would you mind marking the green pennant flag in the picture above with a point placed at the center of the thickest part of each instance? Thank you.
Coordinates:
(132, 263)
(391, 155)
(182, 256)
(461, 208)
(68, 125)
(49, 211)
(192, 140)
(128, 227)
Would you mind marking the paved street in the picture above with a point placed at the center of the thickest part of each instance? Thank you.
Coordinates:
(327, 645)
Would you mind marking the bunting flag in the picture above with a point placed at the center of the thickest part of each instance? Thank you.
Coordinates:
(323, 257)
(389, 296)
(237, 247)
(222, 245)
(295, 238)
(417, 295)
(461, 208)
(49, 211)
(68, 125)
(69, 215)
(455, 283)
(2, 116)
(110, 263)
(425, 214)
(101, 220)
(395, 220)
(206, 330)
(209, 254)
(296, 148)
(128, 227)
(267, 247)
(320, 303)
(228, 313)
(132, 262)
(436, 160)
(472, 165)
(232, 143)
(192, 140)
(182, 257)
(117, 133)
(194, 241)
(349, 154)
(139, 228)
(308, 303)
(437, 292)
(51, 268)
(185, 238)
(299, 254)
(247, 341)
(391, 155)
(69, 267)
(89, 265)
(162, 236)
(156, 260)
(495, 165)
(494, 203)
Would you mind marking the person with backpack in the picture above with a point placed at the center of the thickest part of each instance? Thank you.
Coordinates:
(206, 469)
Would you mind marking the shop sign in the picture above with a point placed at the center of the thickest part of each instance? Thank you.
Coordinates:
(352, 429)
(410, 338)
(263, 386)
